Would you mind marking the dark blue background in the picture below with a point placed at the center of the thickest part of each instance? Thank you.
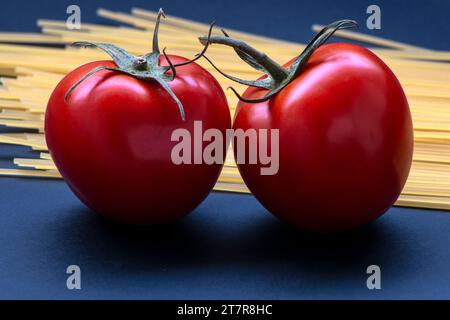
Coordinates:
(424, 23)
(230, 247)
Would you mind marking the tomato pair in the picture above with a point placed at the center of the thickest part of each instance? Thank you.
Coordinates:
(345, 133)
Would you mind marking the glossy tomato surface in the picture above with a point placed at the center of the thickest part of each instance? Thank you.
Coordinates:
(345, 141)
(112, 143)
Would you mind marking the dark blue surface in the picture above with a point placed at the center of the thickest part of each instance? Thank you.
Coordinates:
(230, 247)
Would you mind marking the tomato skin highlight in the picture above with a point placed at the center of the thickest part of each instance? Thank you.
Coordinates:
(346, 141)
(111, 141)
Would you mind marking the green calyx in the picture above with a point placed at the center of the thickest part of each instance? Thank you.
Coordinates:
(145, 67)
(278, 77)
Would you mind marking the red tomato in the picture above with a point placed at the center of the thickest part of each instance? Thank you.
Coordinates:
(112, 140)
(346, 141)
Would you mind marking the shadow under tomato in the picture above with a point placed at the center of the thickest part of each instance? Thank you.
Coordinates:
(217, 241)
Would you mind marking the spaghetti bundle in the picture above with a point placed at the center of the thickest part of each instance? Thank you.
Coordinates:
(29, 74)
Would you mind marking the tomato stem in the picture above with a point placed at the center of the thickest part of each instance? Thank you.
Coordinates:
(156, 30)
(145, 67)
(278, 77)
(140, 63)
(276, 71)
